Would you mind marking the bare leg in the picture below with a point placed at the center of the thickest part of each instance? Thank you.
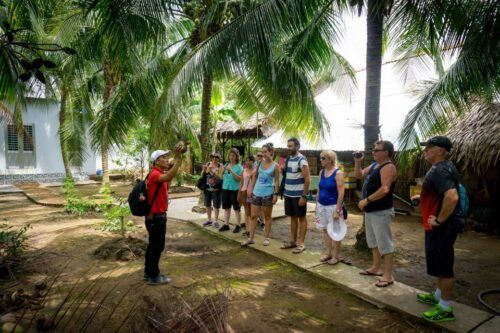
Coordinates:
(238, 216)
(268, 220)
(375, 268)
(227, 215)
(388, 266)
(294, 226)
(253, 221)
(336, 249)
(216, 214)
(302, 230)
(328, 243)
(209, 213)
(446, 286)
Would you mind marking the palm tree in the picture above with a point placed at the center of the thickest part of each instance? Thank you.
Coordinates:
(467, 30)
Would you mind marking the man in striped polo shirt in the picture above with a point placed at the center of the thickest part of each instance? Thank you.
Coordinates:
(297, 179)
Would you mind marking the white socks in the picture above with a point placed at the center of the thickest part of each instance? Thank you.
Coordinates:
(445, 305)
(437, 294)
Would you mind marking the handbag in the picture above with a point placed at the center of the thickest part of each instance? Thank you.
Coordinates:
(242, 197)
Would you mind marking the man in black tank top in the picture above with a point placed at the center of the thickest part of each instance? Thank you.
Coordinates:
(379, 212)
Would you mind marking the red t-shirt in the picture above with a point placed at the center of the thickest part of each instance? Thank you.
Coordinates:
(440, 178)
(161, 202)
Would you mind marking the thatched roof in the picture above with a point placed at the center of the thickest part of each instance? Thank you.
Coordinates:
(476, 139)
(247, 127)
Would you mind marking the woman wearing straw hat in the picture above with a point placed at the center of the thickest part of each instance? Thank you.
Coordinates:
(329, 215)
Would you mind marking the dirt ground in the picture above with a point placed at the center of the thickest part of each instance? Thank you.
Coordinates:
(477, 255)
(266, 295)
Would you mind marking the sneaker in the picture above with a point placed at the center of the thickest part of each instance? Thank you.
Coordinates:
(225, 227)
(438, 315)
(160, 279)
(216, 225)
(427, 298)
(237, 229)
(266, 242)
(207, 223)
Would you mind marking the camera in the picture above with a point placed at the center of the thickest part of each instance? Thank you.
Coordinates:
(357, 154)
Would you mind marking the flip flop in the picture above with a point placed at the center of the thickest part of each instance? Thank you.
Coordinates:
(345, 261)
(324, 258)
(366, 272)
(288, 245)
(333, 261)
(299, 249)
(383, 283)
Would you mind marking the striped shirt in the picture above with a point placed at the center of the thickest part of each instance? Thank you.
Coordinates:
(294, 182)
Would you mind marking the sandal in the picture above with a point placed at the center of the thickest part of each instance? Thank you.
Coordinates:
(367, 272)
(383, 283)
(333, 261)
(288, 245)
(299, 249)
(325, 257)
(247, 242)
(266, 242)
(345, 261)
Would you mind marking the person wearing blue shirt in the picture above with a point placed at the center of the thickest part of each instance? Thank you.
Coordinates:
(231, 181)
(329, 203)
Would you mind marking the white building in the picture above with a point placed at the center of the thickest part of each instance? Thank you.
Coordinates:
(37, 156)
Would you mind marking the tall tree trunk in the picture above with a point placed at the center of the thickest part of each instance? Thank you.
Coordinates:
(109, 86)
(374, 27)
(62, 143)
(206, 107)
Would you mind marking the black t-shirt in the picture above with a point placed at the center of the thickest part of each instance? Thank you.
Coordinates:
(440, 178)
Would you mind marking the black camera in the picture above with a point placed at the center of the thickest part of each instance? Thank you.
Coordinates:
(357, 154)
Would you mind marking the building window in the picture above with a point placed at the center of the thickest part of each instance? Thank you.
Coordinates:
(28, 138)
(12, 139)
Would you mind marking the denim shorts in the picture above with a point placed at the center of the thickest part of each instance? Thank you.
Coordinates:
(262, 201)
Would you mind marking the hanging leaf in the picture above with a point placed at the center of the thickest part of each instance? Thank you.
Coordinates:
(69, 50)
(37, 63)
(25, 76)
(26, 64)
(49, 64)
(39, 76)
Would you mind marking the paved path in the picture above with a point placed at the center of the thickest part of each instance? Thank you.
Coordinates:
(399, 297)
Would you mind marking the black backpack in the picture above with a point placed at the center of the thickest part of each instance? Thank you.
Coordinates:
(141, 207)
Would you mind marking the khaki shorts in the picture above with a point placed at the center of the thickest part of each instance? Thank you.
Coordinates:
(378, 230)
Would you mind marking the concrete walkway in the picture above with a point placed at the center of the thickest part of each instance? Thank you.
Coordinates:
(399, 297)
(42, 195)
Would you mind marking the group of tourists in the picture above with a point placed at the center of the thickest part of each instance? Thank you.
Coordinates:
(255, 186)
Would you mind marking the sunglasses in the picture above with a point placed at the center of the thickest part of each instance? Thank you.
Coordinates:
(259, 155)
(376, 150)
(322, 158)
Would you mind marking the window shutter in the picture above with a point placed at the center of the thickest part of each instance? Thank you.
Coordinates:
(12, 139)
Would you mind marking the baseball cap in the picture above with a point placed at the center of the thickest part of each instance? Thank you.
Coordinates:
(158, 153)
(438, 141)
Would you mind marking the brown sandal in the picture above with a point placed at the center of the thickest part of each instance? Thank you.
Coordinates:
(288, 245)
(325, 257)
(333, 261)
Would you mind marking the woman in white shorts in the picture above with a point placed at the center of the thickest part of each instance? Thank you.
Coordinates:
(329, 203)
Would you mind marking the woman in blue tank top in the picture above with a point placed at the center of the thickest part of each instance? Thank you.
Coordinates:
(329, 203)
(265, 186)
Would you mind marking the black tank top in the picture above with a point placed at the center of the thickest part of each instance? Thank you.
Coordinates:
(373, 183)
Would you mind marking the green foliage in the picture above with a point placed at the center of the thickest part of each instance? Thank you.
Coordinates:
(179, 178)
(68, 188)
(115, 219)
(12, 243)
(74, 203)
(105, 189)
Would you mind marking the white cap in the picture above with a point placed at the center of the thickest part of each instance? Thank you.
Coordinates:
(337, 229)
(158, 153)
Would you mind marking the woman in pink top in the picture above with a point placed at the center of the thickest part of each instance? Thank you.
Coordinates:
(246, 185)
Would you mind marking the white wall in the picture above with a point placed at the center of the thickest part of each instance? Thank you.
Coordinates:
(44, 115)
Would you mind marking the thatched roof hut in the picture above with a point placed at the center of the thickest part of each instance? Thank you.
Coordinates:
(255, 127)
(476, 140)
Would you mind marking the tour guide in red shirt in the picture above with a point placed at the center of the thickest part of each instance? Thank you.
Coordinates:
(156, 220)
(438, 202)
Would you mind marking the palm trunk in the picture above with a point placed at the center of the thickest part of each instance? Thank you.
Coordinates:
(206, 101)
(374, 26)
(109, 85)
(62, 143)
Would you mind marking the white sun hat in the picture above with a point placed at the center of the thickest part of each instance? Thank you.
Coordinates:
(337, 230)
(158, 153)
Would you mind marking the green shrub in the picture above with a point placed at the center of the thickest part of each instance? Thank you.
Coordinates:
(12, 243)
(78, 206)
(114, 215)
